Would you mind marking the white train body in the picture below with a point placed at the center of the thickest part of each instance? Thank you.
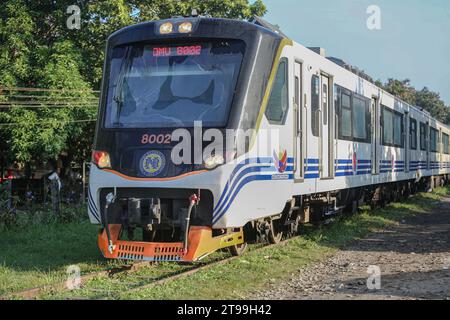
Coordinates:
(325, 153)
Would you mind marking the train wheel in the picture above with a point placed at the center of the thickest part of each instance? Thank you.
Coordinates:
(238, 249)
(275, 232)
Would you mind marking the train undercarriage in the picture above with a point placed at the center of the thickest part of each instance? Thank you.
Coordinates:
(172, 231)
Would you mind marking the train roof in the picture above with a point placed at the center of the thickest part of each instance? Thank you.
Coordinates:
(203, 27)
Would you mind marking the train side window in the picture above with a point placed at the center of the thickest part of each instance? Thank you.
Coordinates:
(325, 103)
(388, 130)
(393, 128)
(361, 120)
(277, 106)
(315, 105)
(445, 143)
(413, 133)
(423, 136)
(345, 117)
(434, 140)
(398, 130)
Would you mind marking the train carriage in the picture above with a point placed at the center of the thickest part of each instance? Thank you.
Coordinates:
(311, 137)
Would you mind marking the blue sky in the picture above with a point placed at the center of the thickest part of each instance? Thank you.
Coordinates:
(413, 43)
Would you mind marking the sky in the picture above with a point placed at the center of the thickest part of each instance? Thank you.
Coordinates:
(413, 42)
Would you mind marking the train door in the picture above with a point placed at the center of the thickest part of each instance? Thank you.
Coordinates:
(327, 139)
(439, 148)
(406, 138)
(428, 144)
(375, 136)
(298, 123)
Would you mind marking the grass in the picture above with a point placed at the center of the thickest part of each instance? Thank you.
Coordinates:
(40, 254)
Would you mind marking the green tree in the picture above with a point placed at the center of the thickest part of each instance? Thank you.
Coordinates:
(431, 102)
(101, 18)
(232, 9)
(38, 50)
(425, 99)
(42, 134)
(401, 89)
(16, 39)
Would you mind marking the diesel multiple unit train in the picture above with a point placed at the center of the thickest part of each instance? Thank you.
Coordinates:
(340, 140)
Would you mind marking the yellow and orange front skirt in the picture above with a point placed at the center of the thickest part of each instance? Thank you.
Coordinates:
(201, 243)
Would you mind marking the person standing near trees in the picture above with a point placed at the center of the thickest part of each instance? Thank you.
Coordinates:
(55, 186)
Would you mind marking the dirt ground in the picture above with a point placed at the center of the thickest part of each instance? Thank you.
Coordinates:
(413, 258)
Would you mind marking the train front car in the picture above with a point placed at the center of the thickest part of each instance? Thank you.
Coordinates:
(165, 84)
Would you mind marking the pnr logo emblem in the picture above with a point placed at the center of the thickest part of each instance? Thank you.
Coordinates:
(280, 161)
(152, 163)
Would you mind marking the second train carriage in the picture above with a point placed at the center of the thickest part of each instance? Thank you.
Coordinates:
(340, 139)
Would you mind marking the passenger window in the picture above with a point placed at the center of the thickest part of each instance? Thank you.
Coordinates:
(361, 119)
(413, 133)
(398, 130)
(354, 116)
(388, 130)
(393, 128)
(325, 104)
(277, 106)
(423, 136)
(345, 118)
(434, 140)
(445, 143)
(315, 105)
(298, 116)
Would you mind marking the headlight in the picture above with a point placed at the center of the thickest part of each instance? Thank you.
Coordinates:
(166, 28)
(101, 159)
(185, 27)
(214, 161)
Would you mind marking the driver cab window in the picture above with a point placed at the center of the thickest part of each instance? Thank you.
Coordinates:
(277, 106)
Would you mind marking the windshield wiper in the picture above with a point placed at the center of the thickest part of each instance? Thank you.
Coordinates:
(118, 92)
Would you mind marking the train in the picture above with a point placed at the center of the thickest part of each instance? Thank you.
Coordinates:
(216, 133)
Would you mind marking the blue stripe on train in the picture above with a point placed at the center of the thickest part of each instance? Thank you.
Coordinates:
(344, 161)
(266, 166)
(92, 206)
(343, 168)
(240, 186)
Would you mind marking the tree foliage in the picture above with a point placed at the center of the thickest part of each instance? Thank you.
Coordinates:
(426, 99)
(38, 50)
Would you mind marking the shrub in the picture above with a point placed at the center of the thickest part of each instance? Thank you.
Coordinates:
(37, 214)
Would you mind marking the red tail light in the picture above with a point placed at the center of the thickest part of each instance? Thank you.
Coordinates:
(101, 159)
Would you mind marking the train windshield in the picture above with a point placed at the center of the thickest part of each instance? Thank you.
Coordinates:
(168, 86)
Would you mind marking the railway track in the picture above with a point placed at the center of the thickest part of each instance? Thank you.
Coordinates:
(128, 278)
(35, 292)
